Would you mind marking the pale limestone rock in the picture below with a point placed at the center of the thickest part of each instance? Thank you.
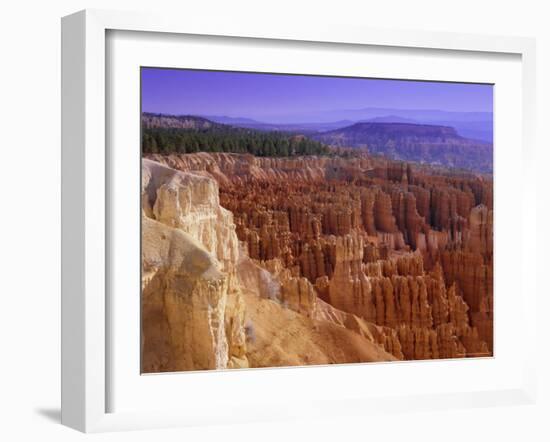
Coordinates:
(185, 208)
(184, 297)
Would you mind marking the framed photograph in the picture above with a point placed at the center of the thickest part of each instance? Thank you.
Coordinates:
(262, 222)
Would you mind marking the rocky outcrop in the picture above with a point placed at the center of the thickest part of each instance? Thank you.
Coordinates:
(190, 291)
(183, 325)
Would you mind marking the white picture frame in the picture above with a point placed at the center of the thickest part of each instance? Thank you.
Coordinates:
(85, 197)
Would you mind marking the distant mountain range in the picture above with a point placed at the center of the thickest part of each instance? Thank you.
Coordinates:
(475, 125)
(391, 119)
(420, 115)
(393, 136)
(283, 127)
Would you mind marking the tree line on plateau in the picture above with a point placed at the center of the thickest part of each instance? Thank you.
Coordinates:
(262, 144)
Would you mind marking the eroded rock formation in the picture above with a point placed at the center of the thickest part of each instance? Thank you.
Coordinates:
(312, 261)
(191, 299)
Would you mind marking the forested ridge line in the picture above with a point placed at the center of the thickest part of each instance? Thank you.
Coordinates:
(199, 136)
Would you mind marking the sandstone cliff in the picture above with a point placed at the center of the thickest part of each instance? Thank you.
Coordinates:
(193, 313)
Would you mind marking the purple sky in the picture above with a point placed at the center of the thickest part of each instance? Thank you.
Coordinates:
(276, 97)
